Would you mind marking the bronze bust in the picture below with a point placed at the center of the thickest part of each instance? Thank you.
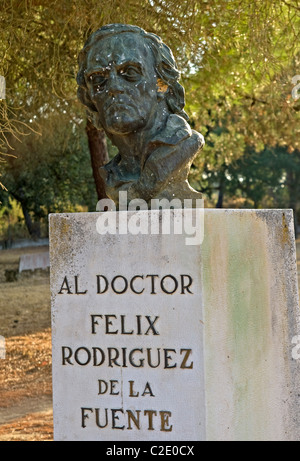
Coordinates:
(128, 80)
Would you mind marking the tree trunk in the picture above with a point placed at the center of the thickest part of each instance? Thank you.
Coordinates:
(220, 197)
(34, 228)
(99, 156)
(221, 188)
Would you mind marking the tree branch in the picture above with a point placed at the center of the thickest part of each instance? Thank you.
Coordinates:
(291, 6)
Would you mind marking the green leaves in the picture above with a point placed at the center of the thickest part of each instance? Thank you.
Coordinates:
(237, 60)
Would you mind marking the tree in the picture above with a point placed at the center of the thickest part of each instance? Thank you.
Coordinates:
(270, 178)
(99, 155)
(237, 59)
(52, 176)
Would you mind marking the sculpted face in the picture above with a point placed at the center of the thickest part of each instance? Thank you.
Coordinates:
(122, 83)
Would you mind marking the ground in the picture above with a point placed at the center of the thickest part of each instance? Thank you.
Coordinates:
(25, 374)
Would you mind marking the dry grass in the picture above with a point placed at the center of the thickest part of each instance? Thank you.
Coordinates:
(27, 368)
(36, 427)
(25, 374)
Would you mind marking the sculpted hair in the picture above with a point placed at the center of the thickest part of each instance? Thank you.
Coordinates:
(165, 67)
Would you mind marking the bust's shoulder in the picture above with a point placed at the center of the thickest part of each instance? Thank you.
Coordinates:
(198, 139)
(178, 131)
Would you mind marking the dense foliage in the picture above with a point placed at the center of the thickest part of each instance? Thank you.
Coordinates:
(237, 58)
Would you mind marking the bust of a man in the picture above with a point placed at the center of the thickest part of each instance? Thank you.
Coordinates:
(128, 80)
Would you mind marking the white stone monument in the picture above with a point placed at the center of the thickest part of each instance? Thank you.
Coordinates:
(158, 336)
(33, 261)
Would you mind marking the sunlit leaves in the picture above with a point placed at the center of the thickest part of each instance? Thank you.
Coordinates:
(237, 59)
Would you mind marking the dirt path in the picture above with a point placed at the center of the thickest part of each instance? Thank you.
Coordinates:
(32, 427)
(25, 373)
(26, 392)
(28, 420)
(27, 406)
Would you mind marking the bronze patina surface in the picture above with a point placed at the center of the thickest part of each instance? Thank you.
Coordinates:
(128, 80)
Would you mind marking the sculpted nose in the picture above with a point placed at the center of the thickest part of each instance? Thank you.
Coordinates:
(114, 84)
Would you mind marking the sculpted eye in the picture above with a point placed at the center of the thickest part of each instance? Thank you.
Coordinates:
(131, 73)
(98, 82)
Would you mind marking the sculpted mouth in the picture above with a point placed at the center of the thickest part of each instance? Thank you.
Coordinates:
(117, 103)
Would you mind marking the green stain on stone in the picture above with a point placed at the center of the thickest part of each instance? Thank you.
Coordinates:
(236, 284)
(248, 306)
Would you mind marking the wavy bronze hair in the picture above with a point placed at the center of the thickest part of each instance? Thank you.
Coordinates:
(165, 67)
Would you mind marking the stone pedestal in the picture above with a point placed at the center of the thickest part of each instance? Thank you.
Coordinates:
(158, 338)
(251, 316)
